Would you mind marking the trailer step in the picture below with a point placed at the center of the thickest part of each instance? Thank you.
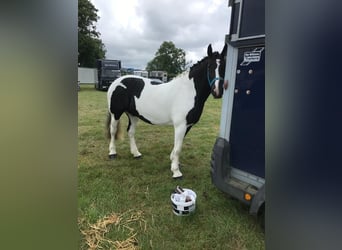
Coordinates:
(243, 186)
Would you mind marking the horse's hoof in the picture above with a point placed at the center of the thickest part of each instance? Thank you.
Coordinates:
(177, 175)
(112, 156)
(138, 157)
(178, 178)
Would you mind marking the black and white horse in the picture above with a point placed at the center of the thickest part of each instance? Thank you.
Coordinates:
(179, 102)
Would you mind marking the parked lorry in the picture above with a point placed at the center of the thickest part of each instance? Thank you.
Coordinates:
(238, 157)
(107, 72)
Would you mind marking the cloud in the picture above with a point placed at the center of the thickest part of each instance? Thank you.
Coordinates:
(133, 30)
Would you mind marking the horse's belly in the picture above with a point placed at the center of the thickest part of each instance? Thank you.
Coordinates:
(163, 106)
(153, 111)
(155, 115)
(162, 112)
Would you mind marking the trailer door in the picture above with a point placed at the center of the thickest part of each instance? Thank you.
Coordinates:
(247, 133)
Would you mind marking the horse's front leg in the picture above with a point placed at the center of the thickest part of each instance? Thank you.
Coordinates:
(174, 156)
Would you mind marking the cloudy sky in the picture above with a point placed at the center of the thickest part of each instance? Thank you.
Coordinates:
(133, 30)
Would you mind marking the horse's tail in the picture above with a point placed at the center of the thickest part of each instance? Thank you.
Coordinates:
(118, 134)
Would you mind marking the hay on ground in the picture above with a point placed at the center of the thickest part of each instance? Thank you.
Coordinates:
(95, 234)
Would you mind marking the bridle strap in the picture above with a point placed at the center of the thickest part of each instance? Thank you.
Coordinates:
(211, 82)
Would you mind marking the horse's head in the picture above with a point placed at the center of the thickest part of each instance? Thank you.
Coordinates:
(215, 71)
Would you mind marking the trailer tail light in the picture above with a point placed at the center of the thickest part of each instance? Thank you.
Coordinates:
(247, 197)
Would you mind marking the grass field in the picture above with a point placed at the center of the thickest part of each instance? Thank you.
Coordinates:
(126, 202)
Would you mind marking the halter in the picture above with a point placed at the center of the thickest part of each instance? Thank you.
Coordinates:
(211, 82)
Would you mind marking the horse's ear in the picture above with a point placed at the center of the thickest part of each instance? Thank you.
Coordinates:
(210, 50)
(224, 51)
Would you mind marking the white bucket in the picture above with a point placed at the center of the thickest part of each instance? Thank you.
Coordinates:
(183, 203)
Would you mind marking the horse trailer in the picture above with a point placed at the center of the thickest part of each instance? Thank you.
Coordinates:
(107, 72)
(158, 74)
(142, 73)
(238, 157)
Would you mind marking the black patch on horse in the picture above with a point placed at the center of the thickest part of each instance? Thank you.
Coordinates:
(134, 86)
(122, 99)
(202, 92)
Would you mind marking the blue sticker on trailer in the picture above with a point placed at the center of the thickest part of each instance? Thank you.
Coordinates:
(247, 134)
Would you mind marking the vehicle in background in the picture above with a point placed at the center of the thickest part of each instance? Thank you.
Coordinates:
(158, 74)
(107, 72)
(142, 73)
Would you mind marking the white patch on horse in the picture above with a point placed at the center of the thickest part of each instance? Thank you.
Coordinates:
(217, 77)
(167, 103)
(121, 85)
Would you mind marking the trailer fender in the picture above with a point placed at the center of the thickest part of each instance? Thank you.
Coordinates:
(258, 201)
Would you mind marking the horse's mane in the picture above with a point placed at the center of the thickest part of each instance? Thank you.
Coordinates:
(197, 66)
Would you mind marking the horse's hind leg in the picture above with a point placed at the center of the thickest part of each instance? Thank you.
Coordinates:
(133, 120)
(112, 129)
(174, 156)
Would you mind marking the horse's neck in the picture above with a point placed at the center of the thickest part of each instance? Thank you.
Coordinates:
(202, 88)
(202, 94)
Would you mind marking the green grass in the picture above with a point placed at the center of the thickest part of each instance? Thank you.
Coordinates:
(127, 184)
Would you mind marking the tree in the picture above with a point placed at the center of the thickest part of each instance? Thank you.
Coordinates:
(90, 46)
(168, 58)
